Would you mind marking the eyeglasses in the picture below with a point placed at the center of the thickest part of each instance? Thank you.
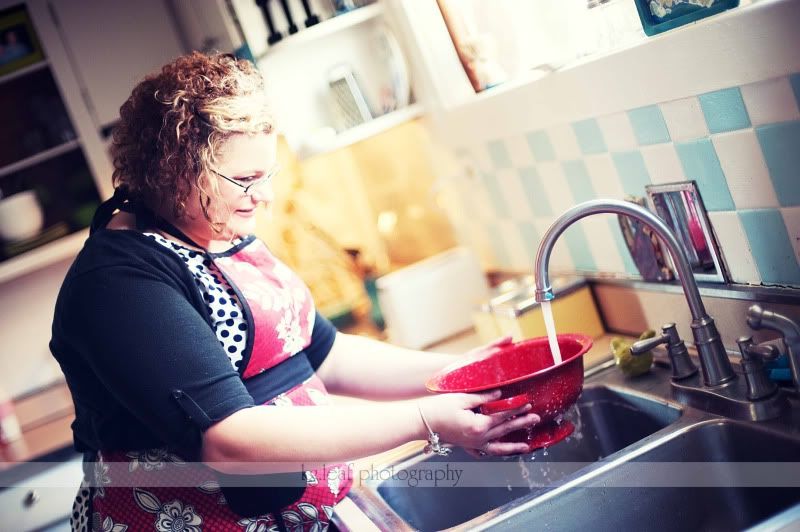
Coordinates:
(255, 183)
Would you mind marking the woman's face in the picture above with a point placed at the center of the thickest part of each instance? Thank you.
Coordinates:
(244, 159)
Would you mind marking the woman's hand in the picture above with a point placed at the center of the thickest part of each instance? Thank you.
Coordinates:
(492, 346)
(451, 415)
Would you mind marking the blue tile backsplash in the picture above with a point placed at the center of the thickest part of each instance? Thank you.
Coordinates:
(541, 147)
(772, 248)
(780, 144)
(759, 241)
(700, 162)
(724, 110)
(590, 138)
(649, 125)
(632, 172)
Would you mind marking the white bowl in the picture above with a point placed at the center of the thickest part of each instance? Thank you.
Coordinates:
(21, 216)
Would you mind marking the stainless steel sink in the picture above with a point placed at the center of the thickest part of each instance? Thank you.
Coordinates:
(607, 420)
(640, 460)
(710, 477)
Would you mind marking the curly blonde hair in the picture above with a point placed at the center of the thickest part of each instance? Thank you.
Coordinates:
(174, 123)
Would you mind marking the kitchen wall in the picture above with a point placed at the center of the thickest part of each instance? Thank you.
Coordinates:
(716, 103)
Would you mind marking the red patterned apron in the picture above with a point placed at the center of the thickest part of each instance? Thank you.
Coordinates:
(282, 313)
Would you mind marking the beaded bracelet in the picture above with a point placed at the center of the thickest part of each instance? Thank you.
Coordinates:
(433, 446)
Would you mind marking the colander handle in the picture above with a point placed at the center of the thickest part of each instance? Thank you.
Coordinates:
(508, 403)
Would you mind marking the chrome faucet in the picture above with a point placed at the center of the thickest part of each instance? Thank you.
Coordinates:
(714, 362)
(721, 390)
(759, 318)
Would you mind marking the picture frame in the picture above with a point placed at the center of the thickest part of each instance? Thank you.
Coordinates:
(19, 44)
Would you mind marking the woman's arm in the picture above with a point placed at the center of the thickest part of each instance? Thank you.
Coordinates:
(367, 368)
(271, 439)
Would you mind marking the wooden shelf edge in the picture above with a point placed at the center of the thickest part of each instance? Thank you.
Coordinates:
(38, 258)
(365, 130)
(42, 156)
(325, 27)
(44, 63)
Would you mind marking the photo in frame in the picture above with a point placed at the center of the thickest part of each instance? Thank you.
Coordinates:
(19, 45)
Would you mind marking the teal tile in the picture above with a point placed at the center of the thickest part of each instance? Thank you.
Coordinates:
(724, 110)
(501, 254)
(541, 147)
(534, 190)
(794, 80)
(632, 172)
(649, 125)
(622, 249)
(579, 181)
(530, 237)
(700, 163)
(496, 198)
(590, 138)
(578, 245)
(499, 154)
(780, 144)
(772, 248)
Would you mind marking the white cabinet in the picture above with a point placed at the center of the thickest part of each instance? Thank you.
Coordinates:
(298, 71)
(50, 146)
(112, 45)
(43, 498)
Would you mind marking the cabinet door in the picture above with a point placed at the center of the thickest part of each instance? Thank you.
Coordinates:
(113, 45)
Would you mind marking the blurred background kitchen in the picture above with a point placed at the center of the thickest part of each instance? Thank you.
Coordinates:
(426, 146)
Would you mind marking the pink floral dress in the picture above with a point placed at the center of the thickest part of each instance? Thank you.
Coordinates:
(126, 495)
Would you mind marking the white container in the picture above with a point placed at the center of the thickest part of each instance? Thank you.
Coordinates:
(21, 216)
(432, 299)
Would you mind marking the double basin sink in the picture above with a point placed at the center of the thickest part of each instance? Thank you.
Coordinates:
(637, 460)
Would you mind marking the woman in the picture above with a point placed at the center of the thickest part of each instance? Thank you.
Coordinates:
(183, 339)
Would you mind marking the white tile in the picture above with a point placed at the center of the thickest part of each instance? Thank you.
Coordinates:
(791, 217)
(555, 186)
(770, 101)
(519, 151)
(515, 246)
(481, 244)
(734, 246)
(560, 258)
(604, 176)
(479, 155)
(618, 132)
(478, 196)
(662, 163)
(514, 194)
(684, 119)
(565, 143)
(602, 244)
(745, 170)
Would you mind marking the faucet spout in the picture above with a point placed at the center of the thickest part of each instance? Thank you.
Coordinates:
(714, 360)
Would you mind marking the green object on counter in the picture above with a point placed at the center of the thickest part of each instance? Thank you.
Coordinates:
(632, 365)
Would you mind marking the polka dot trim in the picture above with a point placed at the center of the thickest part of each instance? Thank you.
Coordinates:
(222, 304)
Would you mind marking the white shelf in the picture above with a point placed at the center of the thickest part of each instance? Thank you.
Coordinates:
(63, 248)
(364, 131)
(40, 157)
(324, 28)
(24, 71)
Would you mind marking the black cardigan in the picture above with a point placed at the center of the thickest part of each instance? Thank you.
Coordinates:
(134, 340)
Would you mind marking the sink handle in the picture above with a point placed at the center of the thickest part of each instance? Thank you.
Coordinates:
(643, 346)
(682, 365)
(753, 356)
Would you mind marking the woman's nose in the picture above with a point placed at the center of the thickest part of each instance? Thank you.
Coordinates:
(264, 193)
